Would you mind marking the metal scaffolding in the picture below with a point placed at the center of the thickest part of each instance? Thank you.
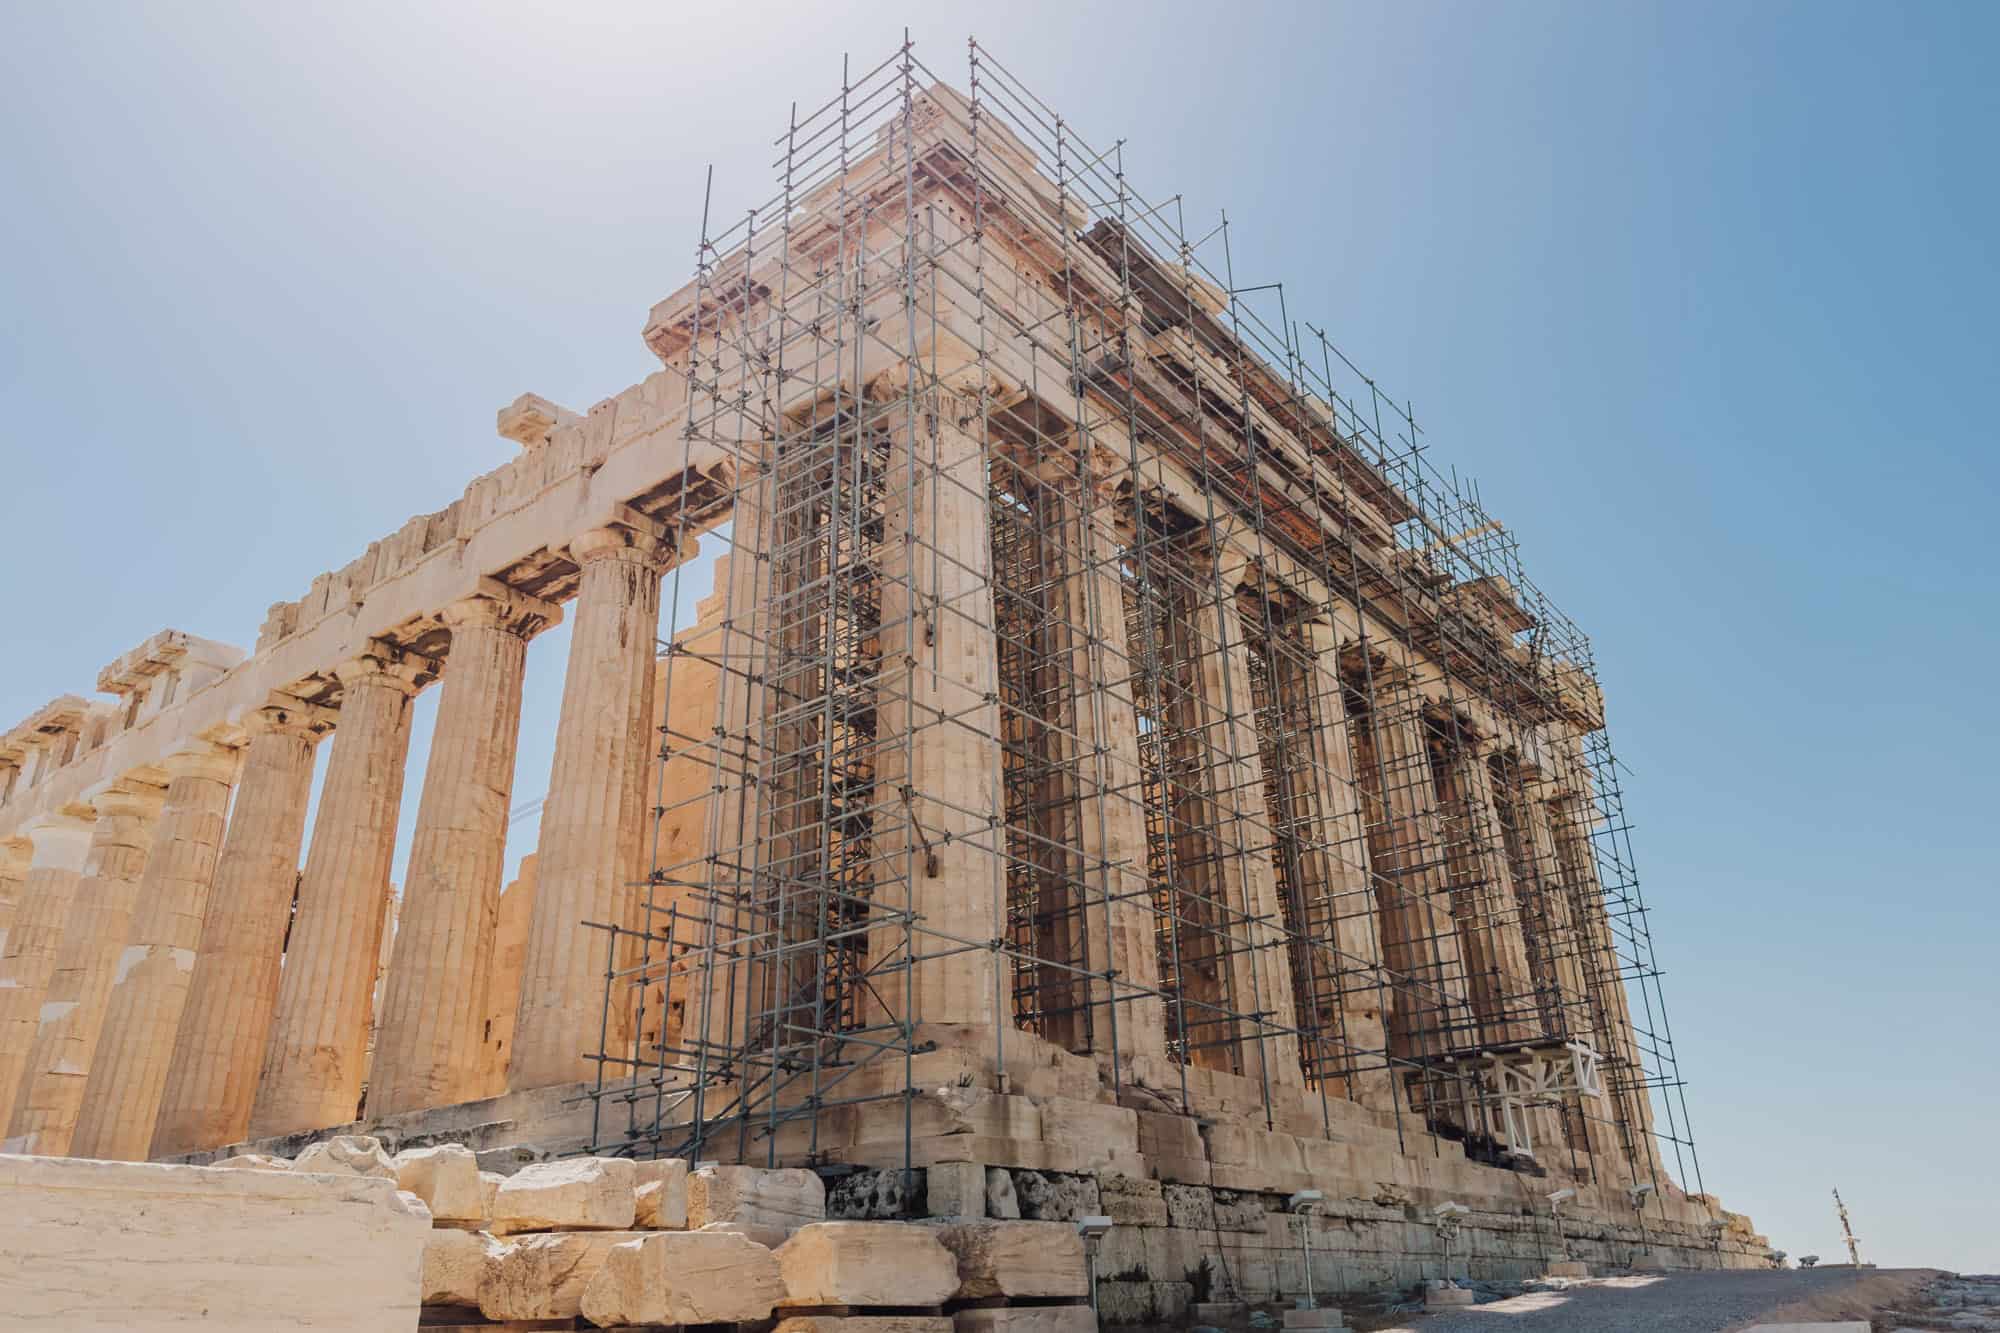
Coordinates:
(1232, 606)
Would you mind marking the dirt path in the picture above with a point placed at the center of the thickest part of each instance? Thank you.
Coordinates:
(1682, 1302)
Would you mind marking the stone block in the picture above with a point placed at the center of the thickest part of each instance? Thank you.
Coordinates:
(489, 1189)
(1571, 1268)
(446, 1178)
(1017, 1259)
(955, 1189)
(788, 1199)
(769, 1237)
(454, 1262)
(1166, 1135)
(140, 1245)
(580, 1193)
(1001, 1200)
(866, 1263)
(880, 1323)
(1440, 1297)
(661, 1200)
(1142, 1302)
(1132, 1203)
(1051, 1196)
(1322, 1317)
(1240, 1211)
(254, 1161)
(543, 1276)
(1097, 1134)
(346, 1155)
(684, 1277)
(1027, 1319)
(1191, 1207)
(873, 1194)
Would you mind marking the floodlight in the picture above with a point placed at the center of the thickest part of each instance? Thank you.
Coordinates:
(1561, 1196)
(1305, 1200)
(1093, 1228)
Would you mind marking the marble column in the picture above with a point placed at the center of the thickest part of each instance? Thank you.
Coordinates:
(61, 845)
(313, 1066)
(1119, 934)
(148, 989)
(218, 1049)
(15, 856)
(1344, 923)
(592, 849)
(1484, 903)
(1428, 1006)
(431, 1033)
(1260, 966)
(94, 931)
(940, 803)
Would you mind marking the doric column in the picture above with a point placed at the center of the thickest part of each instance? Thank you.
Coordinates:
(1428, 1009)
(1572, 815)
(1260, 966)
(218, 1049)
(1345, 939)
(61, 851)
(1483, 899)
(430, 1035)
(15, 856)
(149, 985)
(319, 1035)
(591, 853)
(939, 807)
(1119, 929)
(93, 934)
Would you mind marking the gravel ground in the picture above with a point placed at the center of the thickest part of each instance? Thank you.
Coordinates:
(1670, 1303)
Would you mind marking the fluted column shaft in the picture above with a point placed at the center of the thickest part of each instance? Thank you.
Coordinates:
(591, 852)
(430, 1038)
(939, 795)
(1261, 966)
(1484, 902)
(1345, 948)
(313, 1066)
(15, 856)
(61, 852)
(149, 986)
(1119, 933)
(218, 1050)
(93, 935)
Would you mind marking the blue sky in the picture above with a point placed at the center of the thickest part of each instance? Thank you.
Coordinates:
(1704, 295)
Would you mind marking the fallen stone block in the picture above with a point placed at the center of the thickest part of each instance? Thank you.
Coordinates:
(454, 1262)
(446, 1178)
(346, 1155)
(866, 1263)
(253, 1161)
(1027, 1319)
(1323, 1317)
(1019, 1259)
(769, 1237)
(146, 1245)
(661, 1202)
(543, 1276)
(684, 1277)
(783, 1198)
(489, 1189)
(581, 1193)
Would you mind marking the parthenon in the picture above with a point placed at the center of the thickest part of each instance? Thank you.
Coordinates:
(1109, 751)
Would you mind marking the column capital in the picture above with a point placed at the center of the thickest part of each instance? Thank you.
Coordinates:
(203, 759)
(140, 800)
(384, 664)
(632, 537)
(286, 713)
(497, 606)
(60, 841)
